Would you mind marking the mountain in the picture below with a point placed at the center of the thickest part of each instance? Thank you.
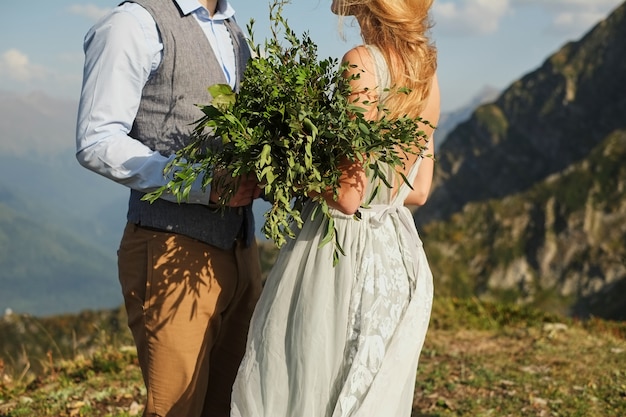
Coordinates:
(46, 270)
(35, 123)
(528, 196)
(37, 162)
(59, 223)
(450, 120)
(541, 124)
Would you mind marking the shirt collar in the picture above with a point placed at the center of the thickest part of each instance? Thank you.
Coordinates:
(224, 9)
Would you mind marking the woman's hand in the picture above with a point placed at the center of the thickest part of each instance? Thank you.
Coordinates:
(351, 189)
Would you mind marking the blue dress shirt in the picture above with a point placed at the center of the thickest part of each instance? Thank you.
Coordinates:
(122, 51)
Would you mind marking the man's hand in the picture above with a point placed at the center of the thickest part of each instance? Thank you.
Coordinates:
(247, 189)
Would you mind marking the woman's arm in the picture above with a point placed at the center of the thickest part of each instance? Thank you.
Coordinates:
(424, 178)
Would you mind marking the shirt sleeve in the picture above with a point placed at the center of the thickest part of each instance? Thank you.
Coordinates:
(121, 52)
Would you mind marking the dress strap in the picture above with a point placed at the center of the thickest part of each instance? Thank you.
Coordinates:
(382, 73)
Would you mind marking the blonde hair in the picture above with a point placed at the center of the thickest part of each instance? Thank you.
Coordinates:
(399, 28)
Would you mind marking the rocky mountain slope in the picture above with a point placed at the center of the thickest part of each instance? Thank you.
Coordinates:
(528, 199)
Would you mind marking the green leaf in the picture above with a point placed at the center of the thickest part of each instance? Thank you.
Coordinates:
(265, 158)
(406, 180)
(223, 96)
(330, 232)
(211, 112)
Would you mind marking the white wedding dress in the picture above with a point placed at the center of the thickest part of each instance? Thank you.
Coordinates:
(344, 340)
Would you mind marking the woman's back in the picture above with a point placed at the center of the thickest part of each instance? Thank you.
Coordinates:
(375, 68)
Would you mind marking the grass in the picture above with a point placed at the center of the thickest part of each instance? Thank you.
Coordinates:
(107, 383)
(479, 359)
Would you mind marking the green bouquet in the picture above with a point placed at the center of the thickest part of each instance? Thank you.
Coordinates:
(289, 126)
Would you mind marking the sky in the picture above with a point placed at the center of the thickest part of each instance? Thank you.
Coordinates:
(480, 42)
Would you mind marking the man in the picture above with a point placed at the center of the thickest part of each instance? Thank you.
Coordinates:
(189, 272)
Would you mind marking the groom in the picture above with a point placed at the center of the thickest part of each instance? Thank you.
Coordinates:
(189, 273)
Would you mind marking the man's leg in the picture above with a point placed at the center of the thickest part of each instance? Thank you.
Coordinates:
(231, 342)
(175, 290)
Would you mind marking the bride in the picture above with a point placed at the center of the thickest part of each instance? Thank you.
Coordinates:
(345, 340)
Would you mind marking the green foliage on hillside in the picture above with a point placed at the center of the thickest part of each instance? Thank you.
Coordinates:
(493, 119)
(572, 223)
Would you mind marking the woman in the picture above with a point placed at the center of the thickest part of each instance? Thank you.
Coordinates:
(345, 340)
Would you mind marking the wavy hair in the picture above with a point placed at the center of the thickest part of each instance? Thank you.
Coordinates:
(400, 29)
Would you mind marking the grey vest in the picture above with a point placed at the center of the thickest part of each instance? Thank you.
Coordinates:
(166, 115)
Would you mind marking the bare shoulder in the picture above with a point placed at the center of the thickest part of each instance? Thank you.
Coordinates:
(361, 68)
(358, 57)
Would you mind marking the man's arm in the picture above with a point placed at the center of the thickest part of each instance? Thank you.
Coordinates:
(121, 52)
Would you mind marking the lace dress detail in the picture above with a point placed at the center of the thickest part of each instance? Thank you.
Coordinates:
(341, 341)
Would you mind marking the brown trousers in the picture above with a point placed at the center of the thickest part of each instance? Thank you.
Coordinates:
(189, 305)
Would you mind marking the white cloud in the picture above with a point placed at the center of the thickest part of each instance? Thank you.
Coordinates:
(572, 22)
(572, 17)
(15, 65)
(560, 4)
(90, 11)
(483, 17)
(469, 17)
